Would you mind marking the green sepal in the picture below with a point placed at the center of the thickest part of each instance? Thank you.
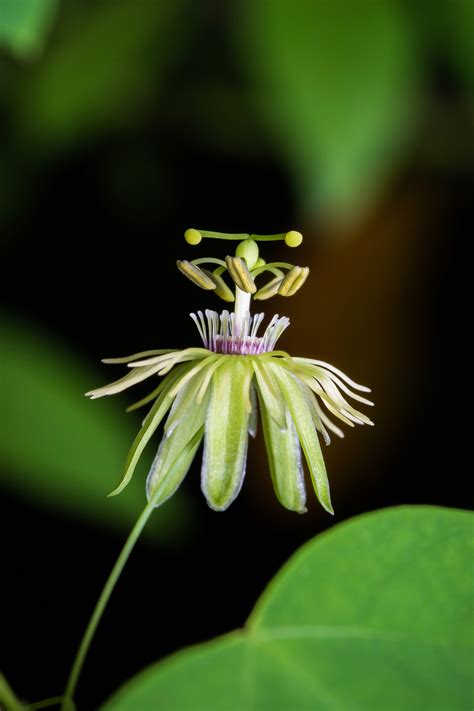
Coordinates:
(174, 475)
(284, 457)
(226, 435)
(186, 418)
(270, 391)
(150, 423)
(308, 436)
(253, 417)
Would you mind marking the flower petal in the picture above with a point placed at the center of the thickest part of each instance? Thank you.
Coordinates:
(226, 437)
(150, 423)
(284, 457)
(186, 418)
(300, 412)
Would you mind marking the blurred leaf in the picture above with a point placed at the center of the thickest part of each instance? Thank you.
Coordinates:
(107, 61)
(452, 22)
(24, 24)
(63, 451)
(373, 615)
(335, 80)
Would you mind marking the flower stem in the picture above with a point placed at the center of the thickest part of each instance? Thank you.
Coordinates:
(101, 604)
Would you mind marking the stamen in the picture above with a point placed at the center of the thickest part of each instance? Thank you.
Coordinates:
(297, 282)
(269, 290)
(240, 274)
(221, 290)
(196, 275)
(289, 280)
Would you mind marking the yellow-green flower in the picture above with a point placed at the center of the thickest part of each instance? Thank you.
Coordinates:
(213, 394)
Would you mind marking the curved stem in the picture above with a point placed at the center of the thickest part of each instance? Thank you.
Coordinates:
(223, 235)
(270, 266)
(101, 604)
(68, 704)
(209, 260)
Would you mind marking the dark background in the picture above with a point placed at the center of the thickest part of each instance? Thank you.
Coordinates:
(91, 228)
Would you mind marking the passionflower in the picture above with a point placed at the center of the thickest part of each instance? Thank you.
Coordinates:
(214, 393)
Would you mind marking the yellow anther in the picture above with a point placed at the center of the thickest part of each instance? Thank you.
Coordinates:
(196, 275)
(293, 238)
(288, 280)
(240, 274)
(192, 236)
(293, 280)
(221, 290)
(269, 290)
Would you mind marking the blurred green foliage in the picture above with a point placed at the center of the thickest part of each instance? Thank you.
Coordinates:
(24, 25)
(62, 451)
(96, 77)
(337, 89)
(371, 615)
(337, 82)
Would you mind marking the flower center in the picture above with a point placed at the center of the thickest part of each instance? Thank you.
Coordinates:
(223, 333)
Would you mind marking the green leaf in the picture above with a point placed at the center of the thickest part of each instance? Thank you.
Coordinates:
(59, 449)
(24, 24)
(372, 616)
(335, 83)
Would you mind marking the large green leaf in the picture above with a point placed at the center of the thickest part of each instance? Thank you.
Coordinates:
(24, 24)
(375, 615)
(334, 82)
(61, 450)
